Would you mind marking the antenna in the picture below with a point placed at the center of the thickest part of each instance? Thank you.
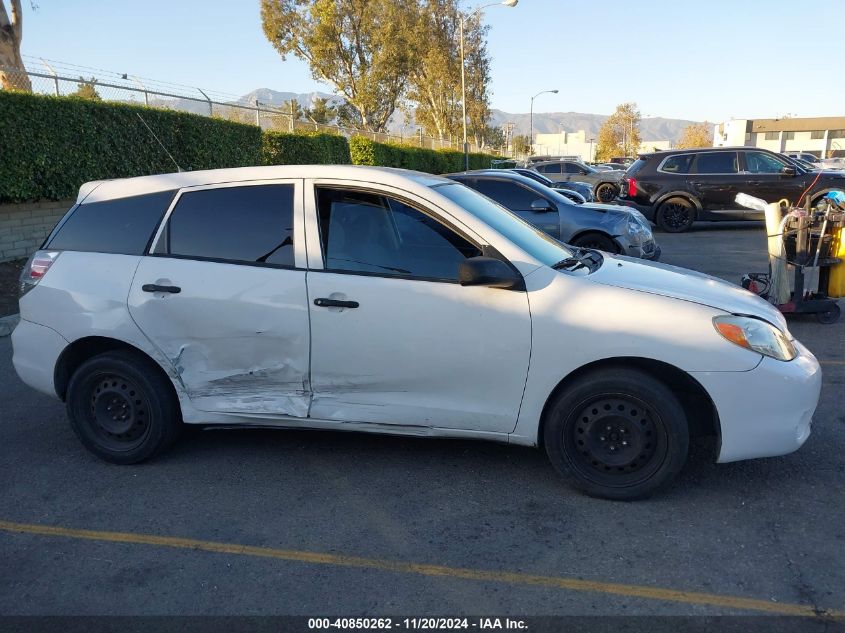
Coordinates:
(169, 155)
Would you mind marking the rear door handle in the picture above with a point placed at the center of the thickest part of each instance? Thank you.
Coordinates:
(156, 288)
(334, 303)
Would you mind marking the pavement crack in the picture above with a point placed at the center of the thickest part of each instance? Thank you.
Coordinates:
(805, 592)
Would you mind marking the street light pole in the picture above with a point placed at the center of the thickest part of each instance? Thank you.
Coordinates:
(531, 118)
(504, 3)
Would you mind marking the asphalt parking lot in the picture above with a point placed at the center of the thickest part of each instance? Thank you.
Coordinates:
(316, 523)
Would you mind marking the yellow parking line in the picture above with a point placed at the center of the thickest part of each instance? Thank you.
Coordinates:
(339, 560)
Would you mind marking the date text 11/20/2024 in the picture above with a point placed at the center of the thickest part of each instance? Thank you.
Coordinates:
(430, 624)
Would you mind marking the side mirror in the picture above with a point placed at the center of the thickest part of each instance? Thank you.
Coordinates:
(541, 205)
(490, 272)
(788, 170)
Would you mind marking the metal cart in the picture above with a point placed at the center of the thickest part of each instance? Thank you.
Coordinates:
(808, 241)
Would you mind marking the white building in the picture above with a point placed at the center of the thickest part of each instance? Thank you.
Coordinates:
(822, 136)
(578, 144)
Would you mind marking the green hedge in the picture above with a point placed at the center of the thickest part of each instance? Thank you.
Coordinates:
(368, 152)
(51, 145)
(310, 148)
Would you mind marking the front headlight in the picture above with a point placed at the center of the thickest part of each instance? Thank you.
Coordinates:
(756, 335)
(638, 227)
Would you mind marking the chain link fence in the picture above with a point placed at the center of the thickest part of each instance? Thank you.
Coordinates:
(63, 79)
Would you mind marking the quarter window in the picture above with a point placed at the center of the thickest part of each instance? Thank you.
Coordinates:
(716, 163)
(761, 163)
(123, 226)
(370, 233)
(248, 224)
(678, 164)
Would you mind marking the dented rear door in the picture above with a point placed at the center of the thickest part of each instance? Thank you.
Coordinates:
(222, 295)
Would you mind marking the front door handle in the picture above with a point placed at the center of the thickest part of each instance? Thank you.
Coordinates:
(334, 303)
(156, 288)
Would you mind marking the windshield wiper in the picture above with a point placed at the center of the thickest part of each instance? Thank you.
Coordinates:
(572, 263)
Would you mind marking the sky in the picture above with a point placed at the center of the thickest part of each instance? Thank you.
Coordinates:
(689, 59)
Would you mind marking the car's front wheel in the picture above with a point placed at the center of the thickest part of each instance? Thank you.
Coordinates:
(617, 433)
(122, 408)
(599, 241)
(675, 215)
(606, 192)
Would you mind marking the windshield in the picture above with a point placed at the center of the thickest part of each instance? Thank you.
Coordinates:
(534, 242)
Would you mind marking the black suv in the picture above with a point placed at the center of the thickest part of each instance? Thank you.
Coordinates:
(677, 187)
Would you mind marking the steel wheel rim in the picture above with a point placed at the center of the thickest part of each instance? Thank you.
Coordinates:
(615, 440)
(119, 412)
(676, 214)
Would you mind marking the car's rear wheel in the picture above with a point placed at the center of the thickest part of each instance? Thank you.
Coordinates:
(675, 215)
(606, 192)
(617, 433)
(598, 241)
(122, 408)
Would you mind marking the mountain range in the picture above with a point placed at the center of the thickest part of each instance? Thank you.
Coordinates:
(652, 128)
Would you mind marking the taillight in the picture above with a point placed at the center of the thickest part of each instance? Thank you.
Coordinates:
(632, 187)
(35, 269)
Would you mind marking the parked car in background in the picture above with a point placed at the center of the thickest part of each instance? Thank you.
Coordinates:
(625, 161)
(805, 156)
(677, 187)
(532, 160)
(388, 301)
(605, 183)
(611, 166)
(606, 227)
(583, 188)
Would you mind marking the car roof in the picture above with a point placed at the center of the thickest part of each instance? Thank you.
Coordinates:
(100, 190)
(498, 173)
(702, 150)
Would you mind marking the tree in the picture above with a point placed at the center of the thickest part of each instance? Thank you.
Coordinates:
(697, 135)
(477, 80)
(86, 90)
(620, 133)
(361, 47)
(347, 116)
(521, 145)
(11, 34)
(292, 107)
(321, 112)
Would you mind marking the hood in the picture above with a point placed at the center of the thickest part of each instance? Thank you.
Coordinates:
(686, 285)
(605, 208)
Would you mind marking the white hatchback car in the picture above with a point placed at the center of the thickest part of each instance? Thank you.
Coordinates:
(390, 301)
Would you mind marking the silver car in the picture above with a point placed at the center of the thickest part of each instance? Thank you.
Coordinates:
(605, 227)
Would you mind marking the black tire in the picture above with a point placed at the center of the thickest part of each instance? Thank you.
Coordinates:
(643, 451)
(599, 241)
(606, 192)
(675, 215)
(829, 316)
(122, 407)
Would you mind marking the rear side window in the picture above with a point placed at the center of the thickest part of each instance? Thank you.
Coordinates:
(553, 168)
(510, 195)
(636, 166)
(249, 224)
(717, 163)
(122, 226)
(679, 164)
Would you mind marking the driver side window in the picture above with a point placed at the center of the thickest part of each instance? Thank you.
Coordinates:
(760, 163)
(370, 233)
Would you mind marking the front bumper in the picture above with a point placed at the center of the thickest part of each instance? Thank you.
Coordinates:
(767, 411)
(649, 250)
